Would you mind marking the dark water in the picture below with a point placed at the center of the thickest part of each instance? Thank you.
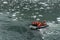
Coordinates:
(16, 15)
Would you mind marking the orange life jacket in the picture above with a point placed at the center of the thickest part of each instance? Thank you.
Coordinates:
(39, 24)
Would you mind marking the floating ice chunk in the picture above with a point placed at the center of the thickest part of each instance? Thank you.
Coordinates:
(53, 21)
(15, 19)
(18, 7)
(14, 14)
(17, 12)
(20, 18)
(45, 4)
(13, 10)
(37, 19)
(42, 37)
(58, 18)
(41, 3)
(34, 16)
(1, 13)
(32, 13)
(5, 2)
(22, 14)
(48, 7)
(41, 8)
(26, 8)
(35, 5)
(36, 9)
(8, 12)
(40, 15)
(15, 0)
(37, 12)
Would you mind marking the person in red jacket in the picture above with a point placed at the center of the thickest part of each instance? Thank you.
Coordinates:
(39, 24)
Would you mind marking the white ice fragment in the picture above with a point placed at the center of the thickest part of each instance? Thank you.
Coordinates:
(37, 12)
(13, 10)
(22, 14)
(20, 18)
(5, 2)
(35, 5)
(1, 13)
(15, 19)
(40, 15)
(26, 8)
(53, 21)
(37, 19)
(17, 6)
(48, 7)
(17, 12)
(34, 16)
(8, 12)
(14, 14)
(45, 4)
(15, 0)
(42, 37)
(58, 18)
(36, 9)
(41, 8)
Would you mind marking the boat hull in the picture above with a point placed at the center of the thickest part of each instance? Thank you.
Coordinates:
(35, 27)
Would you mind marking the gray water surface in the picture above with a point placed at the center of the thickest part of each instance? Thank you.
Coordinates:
(17, 15)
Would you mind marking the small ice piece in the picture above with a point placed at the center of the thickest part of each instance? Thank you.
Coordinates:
(26, 8)
(48, 7)
(42, 37)
(17, 12)
(37, 12)
(20, 18)
(22, 14)
(35, 5)
(53, 21)
(15, 0)
(45, 4)
(41, 8)
(58, 18)
(37, 19)
(36, 9)
(40, 15)
(13, 10)
(5, 2)
(34, 16)
(15, 19)
(8, 12)
(1, 13)
(42, 3)
(32, 13)
(14, 14)
(17, 6)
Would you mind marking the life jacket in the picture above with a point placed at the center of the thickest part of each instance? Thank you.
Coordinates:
(39, 24)
(36, 23)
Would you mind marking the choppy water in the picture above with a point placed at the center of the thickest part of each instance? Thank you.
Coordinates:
(15, 17)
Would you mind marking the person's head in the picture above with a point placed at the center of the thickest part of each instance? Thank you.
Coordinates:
(44, 21)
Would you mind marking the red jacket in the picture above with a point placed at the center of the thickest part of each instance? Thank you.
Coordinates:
(39, 24)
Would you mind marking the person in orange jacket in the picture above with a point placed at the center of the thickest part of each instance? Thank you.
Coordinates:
(39, 24)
